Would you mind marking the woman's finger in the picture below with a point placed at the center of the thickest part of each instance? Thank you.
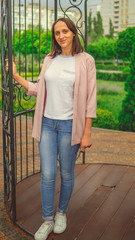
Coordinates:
(82, 149)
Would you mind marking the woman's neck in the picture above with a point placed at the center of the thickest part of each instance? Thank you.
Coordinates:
(66, 52)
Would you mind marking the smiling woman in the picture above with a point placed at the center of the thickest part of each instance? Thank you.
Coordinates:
(65, 38)
(65, 107)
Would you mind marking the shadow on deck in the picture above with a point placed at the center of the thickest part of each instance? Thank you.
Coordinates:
(102, 205)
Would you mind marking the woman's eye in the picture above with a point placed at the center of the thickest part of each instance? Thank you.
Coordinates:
(65, 31)
(57, 33)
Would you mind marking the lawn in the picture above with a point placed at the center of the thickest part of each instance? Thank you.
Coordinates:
(110, 95)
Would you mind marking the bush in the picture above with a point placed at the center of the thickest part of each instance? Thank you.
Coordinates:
(105, 119)
(126, 69)
(112, 67)
(120, 77)
(127, 114)
(35, 74)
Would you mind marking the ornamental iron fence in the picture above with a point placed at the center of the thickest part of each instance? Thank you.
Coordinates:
(25, 38)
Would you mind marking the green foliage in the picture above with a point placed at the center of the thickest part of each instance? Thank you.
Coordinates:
(89, 28)
(95, 27)
(106, 88)
(94, 50)
(26, 37)
(105, 119)
(127, 115)
(35, 45)
(104, 48)
(110, 101)
(111, 29)
(112, 67)
(126, 69)
(124, 43)
(98, 25)
(121, 77)
(35, 74)
(45, 42)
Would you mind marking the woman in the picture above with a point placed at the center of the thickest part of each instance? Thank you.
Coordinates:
(65, 106)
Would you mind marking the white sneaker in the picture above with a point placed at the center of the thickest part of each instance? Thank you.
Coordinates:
(45, 229)
(60, 223)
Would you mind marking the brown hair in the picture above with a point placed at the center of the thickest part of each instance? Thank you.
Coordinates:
(55, 47)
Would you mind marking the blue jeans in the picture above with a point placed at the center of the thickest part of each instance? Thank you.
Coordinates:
(56, 139)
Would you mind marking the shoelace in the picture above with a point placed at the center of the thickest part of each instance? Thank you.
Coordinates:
(59, 219)
(44, 227)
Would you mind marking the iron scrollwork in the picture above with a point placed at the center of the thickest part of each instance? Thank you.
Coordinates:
(7, 114)
(81, 23)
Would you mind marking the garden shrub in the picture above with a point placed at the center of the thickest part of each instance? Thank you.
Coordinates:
(127, 114)
(35, 74)
(126, 69)
(105, 119)
(120, 77)
(112, 67)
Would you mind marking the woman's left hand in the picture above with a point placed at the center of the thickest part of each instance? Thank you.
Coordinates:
(85, 141)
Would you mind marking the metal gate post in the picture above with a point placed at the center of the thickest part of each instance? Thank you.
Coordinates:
(7, 110)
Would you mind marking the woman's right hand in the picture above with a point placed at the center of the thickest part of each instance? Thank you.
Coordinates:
(14, 71)
(16, 76)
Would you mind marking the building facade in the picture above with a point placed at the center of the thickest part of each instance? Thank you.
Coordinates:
(25, 16)
(121, 12)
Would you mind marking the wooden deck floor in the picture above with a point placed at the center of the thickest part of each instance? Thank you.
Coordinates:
(102, 205)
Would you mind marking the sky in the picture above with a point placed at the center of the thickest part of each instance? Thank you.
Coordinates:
(64, 3)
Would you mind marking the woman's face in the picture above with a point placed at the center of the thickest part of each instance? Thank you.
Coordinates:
(64, 36)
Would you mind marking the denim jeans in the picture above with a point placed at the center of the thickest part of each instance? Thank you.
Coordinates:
(56, 139)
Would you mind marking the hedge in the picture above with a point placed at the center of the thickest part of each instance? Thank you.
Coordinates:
(110, 62)
(120, 77)
(35, 74)
(111, 67)
(105, 119)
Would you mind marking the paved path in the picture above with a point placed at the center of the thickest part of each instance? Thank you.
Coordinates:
(108, 147)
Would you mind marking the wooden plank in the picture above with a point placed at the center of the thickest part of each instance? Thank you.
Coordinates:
(27, 183)
(122, 218)
(81, 179)
(78, 220)
(130, 231)
(90, 170)
(29, 198)
(97, 225)
(89, 187)
(115, 176)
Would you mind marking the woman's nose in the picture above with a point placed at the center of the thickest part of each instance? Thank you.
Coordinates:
(61, 35)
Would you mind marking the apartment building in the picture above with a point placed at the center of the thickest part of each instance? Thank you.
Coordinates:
(121, 12)
(25, 16)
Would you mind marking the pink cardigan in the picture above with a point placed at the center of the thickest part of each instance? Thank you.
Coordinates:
(84, 95)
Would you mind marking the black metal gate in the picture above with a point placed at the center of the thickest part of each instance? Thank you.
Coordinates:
(22, 29)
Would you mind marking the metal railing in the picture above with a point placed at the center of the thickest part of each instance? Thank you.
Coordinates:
(24, 29)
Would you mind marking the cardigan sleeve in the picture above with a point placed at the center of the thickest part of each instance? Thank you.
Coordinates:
(91, 100)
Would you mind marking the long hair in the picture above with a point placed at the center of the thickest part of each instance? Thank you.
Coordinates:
(55, 47)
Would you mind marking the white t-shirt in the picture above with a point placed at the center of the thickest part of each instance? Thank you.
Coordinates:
(60, 79)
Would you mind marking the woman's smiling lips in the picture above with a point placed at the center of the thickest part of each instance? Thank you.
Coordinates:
(62, 41)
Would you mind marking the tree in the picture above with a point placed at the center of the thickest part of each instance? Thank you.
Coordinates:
(26, 37)
(45, 43)
(127, 115)
(100, 29)
(89, 29)
(94, 50)
(95, 24)
(111, 29)
(124, 43)
(98, 26)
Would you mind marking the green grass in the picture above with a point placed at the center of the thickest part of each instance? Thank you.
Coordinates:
(110, 96)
